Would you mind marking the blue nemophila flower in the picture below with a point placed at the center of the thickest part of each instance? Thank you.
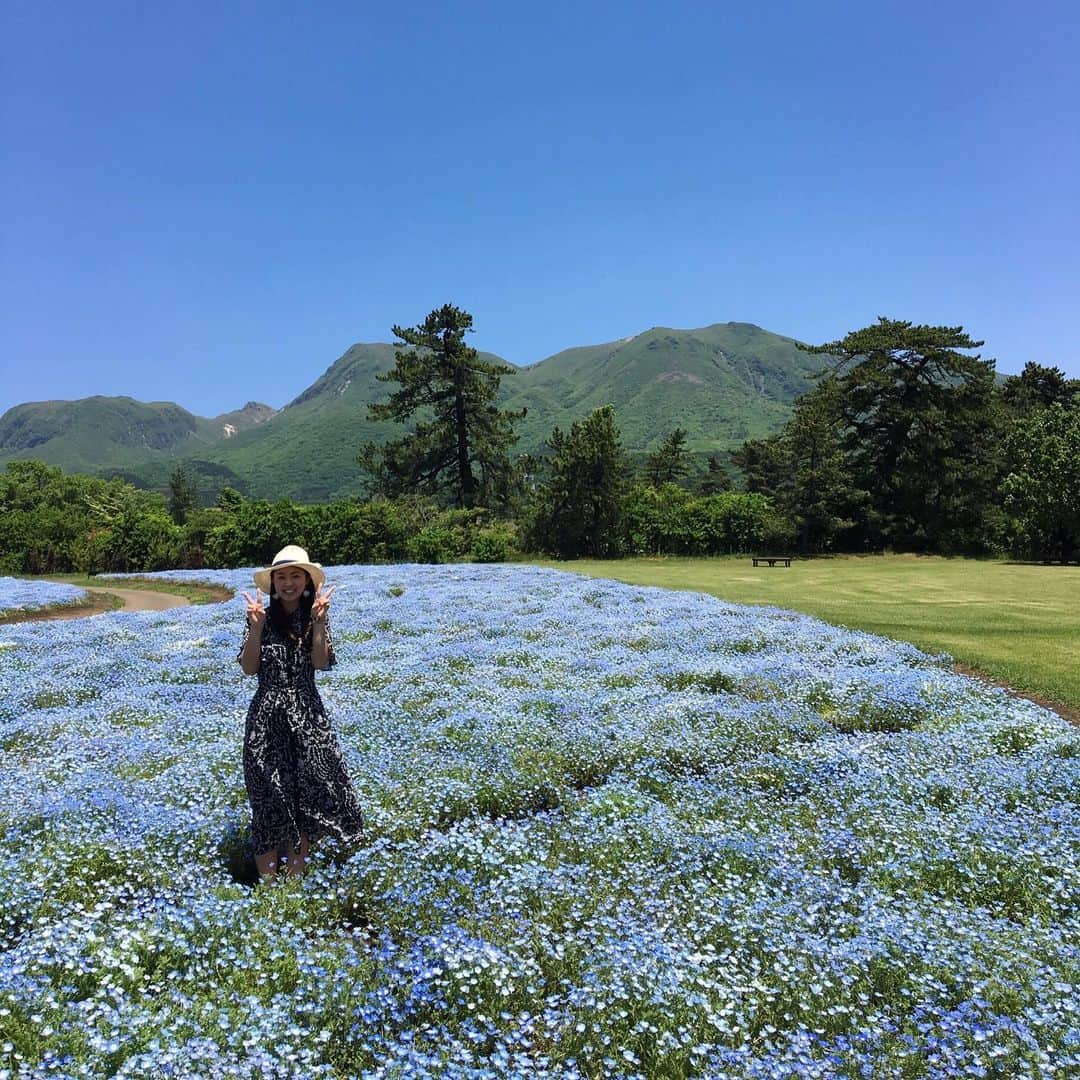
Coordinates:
(613, 832)
(17, 594)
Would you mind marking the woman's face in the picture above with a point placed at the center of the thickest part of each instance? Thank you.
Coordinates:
(289, 583)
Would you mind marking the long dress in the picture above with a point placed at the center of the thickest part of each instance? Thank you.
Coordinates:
(293, 769)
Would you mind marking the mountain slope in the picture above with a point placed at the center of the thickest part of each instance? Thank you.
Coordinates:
(723, 383)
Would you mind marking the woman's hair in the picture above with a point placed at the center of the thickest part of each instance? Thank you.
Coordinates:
(280, 617)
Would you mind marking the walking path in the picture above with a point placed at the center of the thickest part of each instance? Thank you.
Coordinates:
(99, 603)
(143, 599)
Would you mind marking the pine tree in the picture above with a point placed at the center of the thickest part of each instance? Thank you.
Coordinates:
(817, 494)
(183, 495)
(1038, 387)
(765, 464)
(576, 509)
(922, 433)
(460, 443)
(716, 478)
(668, 464)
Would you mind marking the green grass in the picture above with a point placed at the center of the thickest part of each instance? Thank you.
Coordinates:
(1017, 624)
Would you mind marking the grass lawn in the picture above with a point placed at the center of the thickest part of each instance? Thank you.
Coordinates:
(1018, 624)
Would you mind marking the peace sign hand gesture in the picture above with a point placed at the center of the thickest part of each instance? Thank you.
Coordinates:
(256, 613)
(320, 604)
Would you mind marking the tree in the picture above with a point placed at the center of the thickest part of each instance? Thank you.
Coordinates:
(1038, 387)
(229, 500)
(716, 478)
(48, 519)
(1042, 489)
(817, 495)
(921, 433)
(576, 509)
(805, 471)
(764, 464)
(668, 464)
(183, 495)
(461, 446)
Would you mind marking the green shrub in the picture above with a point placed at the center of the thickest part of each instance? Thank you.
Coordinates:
(492, 545)
(432, 544)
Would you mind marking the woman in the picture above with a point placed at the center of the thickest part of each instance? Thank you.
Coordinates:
(296, 779)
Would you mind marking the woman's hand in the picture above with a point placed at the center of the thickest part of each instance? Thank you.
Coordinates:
(320, 604)
(256, 613)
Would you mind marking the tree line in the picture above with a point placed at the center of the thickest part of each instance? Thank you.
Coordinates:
(906, 442)
(909, 443)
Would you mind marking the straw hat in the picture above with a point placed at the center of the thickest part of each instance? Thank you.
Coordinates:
(290, 556)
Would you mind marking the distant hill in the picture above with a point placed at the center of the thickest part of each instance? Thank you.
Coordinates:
(723, 384)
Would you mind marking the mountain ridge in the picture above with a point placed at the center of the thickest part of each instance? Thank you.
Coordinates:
(723, 383)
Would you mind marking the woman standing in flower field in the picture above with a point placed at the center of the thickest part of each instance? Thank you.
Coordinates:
(293, 769)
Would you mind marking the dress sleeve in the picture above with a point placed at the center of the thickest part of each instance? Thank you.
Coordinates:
(331, 656)
(243, 639)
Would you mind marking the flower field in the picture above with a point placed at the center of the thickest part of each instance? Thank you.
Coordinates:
(19, 595)
(613, 832)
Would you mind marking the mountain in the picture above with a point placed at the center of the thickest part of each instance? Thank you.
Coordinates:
(114, 430)
(119, 436)
(723, 383)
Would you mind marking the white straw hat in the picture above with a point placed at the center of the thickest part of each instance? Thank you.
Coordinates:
(290, 556)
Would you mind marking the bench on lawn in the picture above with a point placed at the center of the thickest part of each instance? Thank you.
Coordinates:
(772, 560)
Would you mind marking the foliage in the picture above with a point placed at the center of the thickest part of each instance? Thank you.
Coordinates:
(716, 478)
(1042, 489)
(921, 432)
(447, 538)
(671, 521)
(462, 444)
(54, 523)
(257, 530)
(817, 493)
(764, 464)
(807, 475)
(51, 521)
(668, 464)
(1038, 387)
(183, 495)
(141, 540)
(577, 507)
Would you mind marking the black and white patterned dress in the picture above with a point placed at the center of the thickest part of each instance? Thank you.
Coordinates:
(295, 776)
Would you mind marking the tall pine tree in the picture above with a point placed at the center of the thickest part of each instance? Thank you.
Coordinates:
(667, 465)
(922, 433)
(577, 508)
(817, 494)
(715, 479)
(460, 443)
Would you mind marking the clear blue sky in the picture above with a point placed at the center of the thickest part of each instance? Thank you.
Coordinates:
(208, 203)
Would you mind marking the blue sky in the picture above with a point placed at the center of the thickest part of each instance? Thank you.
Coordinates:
(208, 203)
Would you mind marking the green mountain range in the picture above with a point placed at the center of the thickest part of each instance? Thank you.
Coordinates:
(723, 383)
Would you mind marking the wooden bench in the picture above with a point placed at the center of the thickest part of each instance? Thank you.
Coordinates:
(772, 560)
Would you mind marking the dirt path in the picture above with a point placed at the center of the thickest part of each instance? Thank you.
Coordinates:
(134, 600)
(144, 599)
